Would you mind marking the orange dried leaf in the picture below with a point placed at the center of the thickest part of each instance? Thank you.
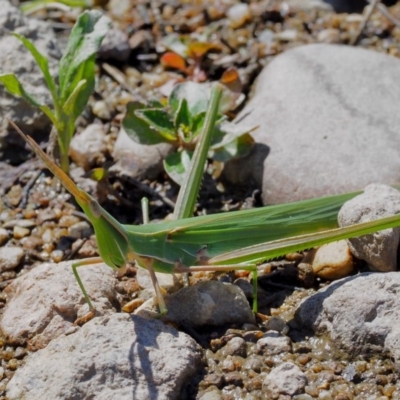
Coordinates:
(173, 60)
(229, 76)
(199, 49)
(231, 79)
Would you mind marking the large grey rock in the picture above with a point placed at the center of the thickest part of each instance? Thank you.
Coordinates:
(14, 57)
(360, 314)
(379, 249)
(113, 357)
(330, 119)
(45, 302)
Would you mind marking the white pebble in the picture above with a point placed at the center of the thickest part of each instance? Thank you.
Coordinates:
(238, 15)
(19, 232)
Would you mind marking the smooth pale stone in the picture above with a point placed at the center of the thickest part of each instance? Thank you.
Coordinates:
(378, 249)
(328, 123)
(333, 261)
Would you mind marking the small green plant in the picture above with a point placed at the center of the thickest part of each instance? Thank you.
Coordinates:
(34, 5)
(180, 123)
(76, 77)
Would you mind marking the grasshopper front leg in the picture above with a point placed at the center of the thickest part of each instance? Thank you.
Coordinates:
(92, 311)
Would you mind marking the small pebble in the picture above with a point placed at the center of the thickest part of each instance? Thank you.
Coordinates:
(13, 364)
(4, 236)
(253, 384)
(101, 110)
(19, 232)
(329, 36)
(29, 213)
(47, 236)
(7, 355)
(276, 324)
(57, 255)
(20, 352)
(10, 257)
(234, 378)
(253, 363)
(48, 247)
(228, 365)
(235, 346)
(133, 305)
(80, 230)
(47, 214)
(273, 343)
(253, 336)
(342, 396)
(31, 242)
(388, 390)
(23, 223)
(249, 327)
(289, 35)
(303, 359)
(7, 275)
(68, 220)
(238, 15)
(215, 380)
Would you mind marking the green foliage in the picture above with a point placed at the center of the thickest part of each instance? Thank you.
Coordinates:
(76, 77)
(34, 5)
(180, 124)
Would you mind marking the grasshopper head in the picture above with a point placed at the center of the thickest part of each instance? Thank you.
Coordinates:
(114, 246)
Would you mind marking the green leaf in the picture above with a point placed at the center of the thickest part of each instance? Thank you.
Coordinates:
(14, 86)
(31, 6)
(155, 104)
(43, 64)
(160, 120)
(226, 132)
(69, 107)
(177, 164)
(174, 43)
(83, 43)
(196, 95)
(197, 123)
(237, 148)
(138, 129)
(85, 73)
(182, 116)
(230, 101)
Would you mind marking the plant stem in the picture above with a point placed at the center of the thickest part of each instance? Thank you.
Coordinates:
(190, 188)
(64, 161)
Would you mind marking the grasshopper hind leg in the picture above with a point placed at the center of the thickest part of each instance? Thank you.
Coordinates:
(160, 299)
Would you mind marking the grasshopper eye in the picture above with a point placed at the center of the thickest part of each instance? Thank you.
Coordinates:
(95, 208)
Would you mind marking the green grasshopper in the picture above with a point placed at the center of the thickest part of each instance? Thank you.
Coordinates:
(236, 240)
